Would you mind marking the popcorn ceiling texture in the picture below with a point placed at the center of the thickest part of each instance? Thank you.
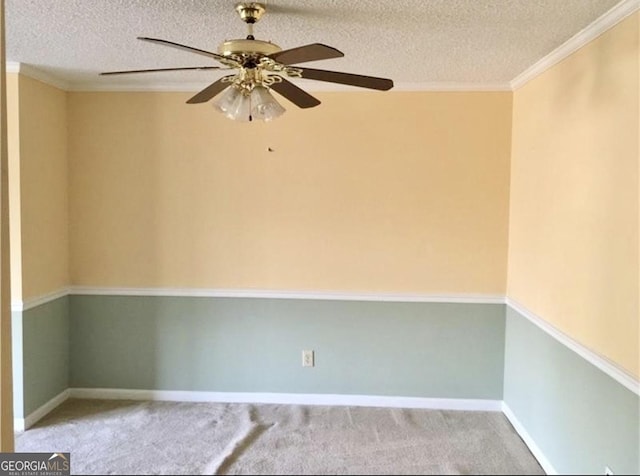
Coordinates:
(410, 41)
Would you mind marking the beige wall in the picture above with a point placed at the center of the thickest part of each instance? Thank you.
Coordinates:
(6, 374)
(387, 192)
(377, 192)
(573, 250)
(43, 190)
(13, 143)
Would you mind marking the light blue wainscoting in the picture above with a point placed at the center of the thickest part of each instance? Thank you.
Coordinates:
(40, 350)
(581, 419)
(436, 350)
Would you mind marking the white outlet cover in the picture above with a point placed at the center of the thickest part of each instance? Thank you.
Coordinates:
(307, 358)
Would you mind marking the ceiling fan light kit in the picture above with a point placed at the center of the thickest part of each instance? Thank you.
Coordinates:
(240, 104)
(261, 67)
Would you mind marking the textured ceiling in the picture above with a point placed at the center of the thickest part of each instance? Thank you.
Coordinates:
(410, 41)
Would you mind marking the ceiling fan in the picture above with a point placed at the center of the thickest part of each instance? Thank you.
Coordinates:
(262, 66)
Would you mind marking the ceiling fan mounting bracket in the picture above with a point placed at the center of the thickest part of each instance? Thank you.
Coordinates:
(250, 12)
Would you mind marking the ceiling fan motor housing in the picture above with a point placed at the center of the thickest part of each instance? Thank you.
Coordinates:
(262, 65)
(250, 13)
(248, 47)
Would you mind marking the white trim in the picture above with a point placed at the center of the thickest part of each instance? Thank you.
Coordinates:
(592, 31)
(607, 21)
(526, 437)
(22, 424)
(37, 74)
(18, 425)
(601, 362)
(39, 300)
(98, 86)
(289, 399)
(256, 293)
(445, 86)
(289, 294)
(194, 86)
(311, 86)
(13, 67)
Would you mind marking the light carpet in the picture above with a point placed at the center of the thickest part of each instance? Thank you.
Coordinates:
(132, 437)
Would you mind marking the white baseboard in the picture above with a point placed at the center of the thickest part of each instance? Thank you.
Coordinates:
(289, 398)
(18, 425)
(22, 424)
(528, 440)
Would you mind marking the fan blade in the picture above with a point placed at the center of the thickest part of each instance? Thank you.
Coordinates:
(210, 91)
(183, 47)
(370, 82)
(293, 93)
(302, 54)
(160, 69)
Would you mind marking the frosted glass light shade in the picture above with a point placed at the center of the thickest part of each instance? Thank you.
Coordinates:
(238, 104)
(263, 105)
(241, 108)
(224, 102)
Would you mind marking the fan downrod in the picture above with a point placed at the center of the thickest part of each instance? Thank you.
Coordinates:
(250, 13)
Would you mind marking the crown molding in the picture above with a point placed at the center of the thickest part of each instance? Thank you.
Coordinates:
(98, 86)
(434, 86)
(13, 67)
(193, 87)
(452, 86)
(37, 74)
(311, 86)
(607, 21)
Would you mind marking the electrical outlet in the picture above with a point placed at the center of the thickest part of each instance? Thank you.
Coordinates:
(607, 470)
(307, 358)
